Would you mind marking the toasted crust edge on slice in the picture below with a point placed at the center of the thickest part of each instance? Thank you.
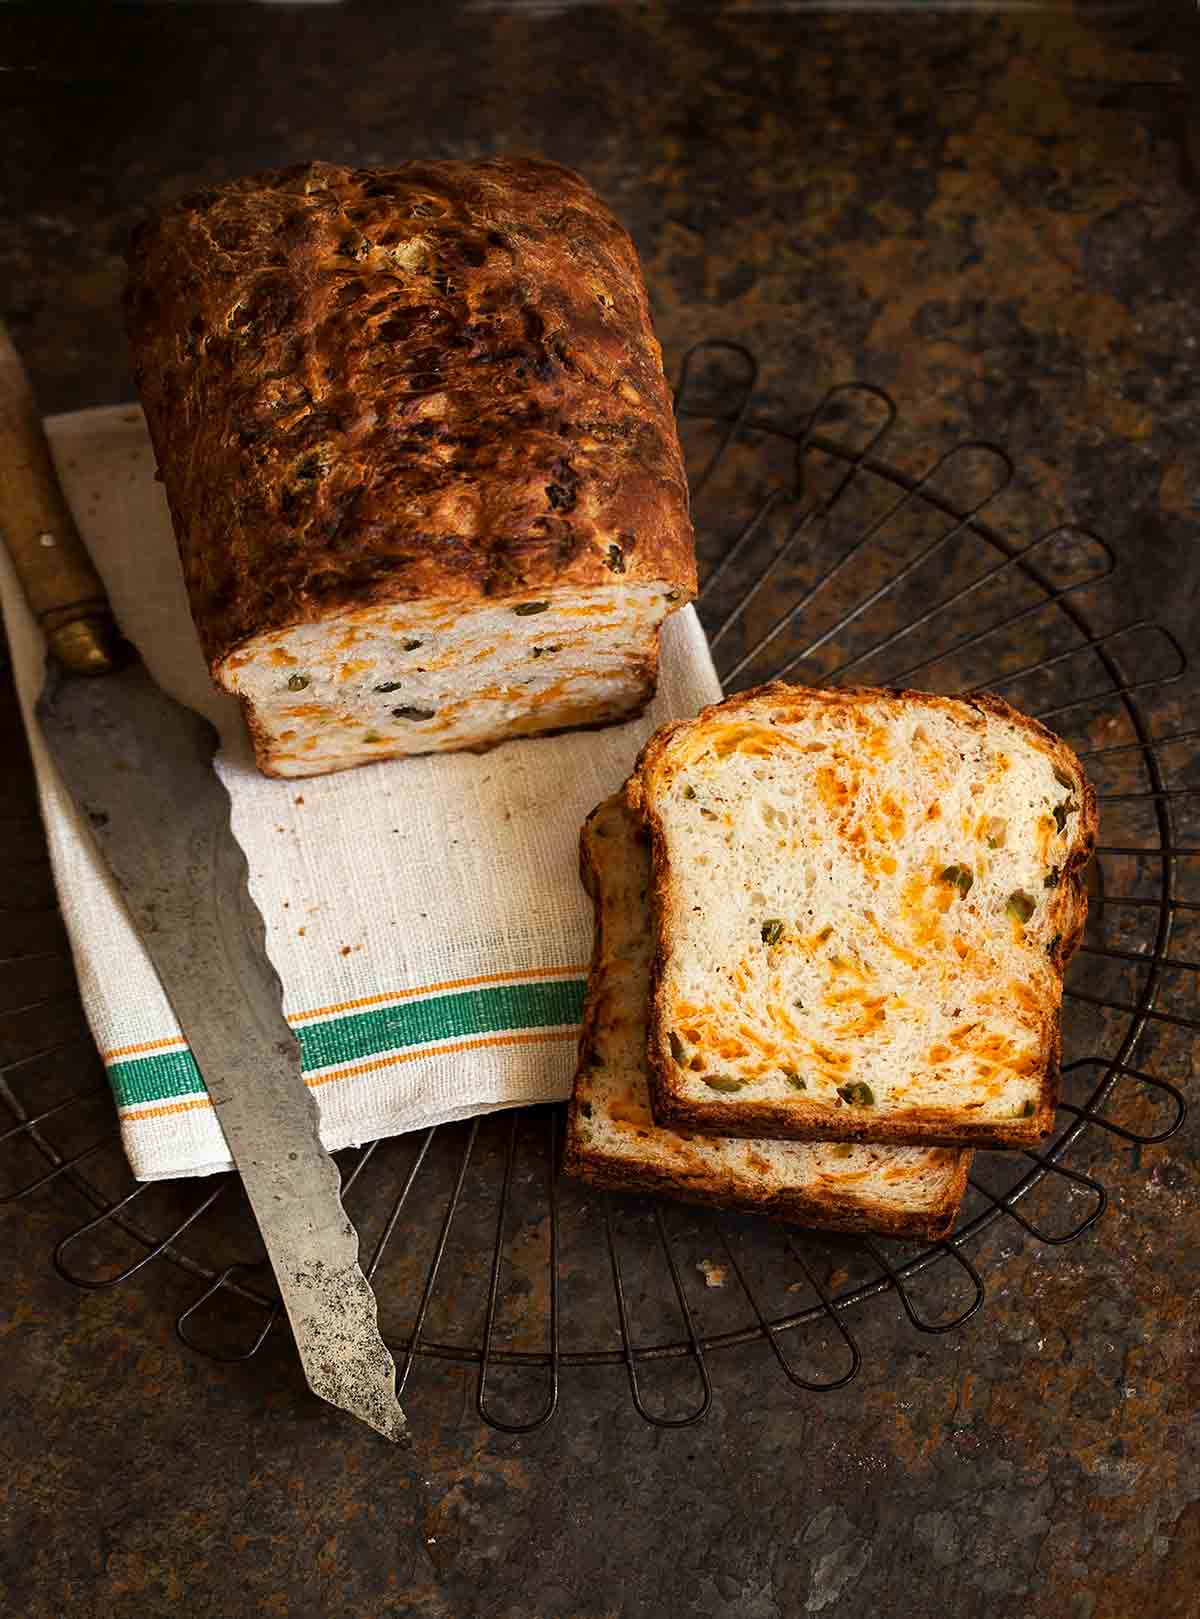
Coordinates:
(831, 1211)
(834, 1212)
(801, 1121)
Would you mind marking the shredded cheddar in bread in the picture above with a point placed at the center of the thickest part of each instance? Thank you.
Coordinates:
(612, 1138)
(862, 882)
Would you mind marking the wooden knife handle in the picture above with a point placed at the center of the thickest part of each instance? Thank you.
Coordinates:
(60, 584)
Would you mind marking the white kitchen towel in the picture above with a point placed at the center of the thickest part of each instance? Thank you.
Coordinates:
(425, 915)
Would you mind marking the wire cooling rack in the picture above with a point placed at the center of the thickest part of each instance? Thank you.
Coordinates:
(822, 563)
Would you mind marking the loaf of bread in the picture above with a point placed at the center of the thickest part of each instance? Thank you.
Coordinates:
(613, 1141)
(419, 452)
(865, 903)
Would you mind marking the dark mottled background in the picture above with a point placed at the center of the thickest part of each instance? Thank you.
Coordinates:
(993, 214)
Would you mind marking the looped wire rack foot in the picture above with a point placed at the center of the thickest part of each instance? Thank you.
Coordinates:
(823, 563)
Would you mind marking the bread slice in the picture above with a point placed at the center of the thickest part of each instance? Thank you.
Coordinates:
(612, 1140)
(865, 901)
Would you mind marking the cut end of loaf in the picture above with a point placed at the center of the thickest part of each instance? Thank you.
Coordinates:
(393, 680)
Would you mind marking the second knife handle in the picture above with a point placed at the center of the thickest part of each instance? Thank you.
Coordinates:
(60, 583)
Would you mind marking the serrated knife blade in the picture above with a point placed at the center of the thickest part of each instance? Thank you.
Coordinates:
(139, 766)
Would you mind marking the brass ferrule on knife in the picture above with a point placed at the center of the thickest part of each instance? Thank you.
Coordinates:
(63, 589)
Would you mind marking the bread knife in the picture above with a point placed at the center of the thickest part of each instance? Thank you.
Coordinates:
(139, 767)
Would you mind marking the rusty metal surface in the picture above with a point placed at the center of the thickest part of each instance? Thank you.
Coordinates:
(984, 213)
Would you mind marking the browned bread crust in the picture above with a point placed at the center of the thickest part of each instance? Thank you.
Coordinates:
(371, 386)
(826, 1210)
(662, 1162)
(805, 1121)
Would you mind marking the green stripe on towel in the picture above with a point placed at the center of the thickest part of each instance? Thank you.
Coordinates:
(341, 1041)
